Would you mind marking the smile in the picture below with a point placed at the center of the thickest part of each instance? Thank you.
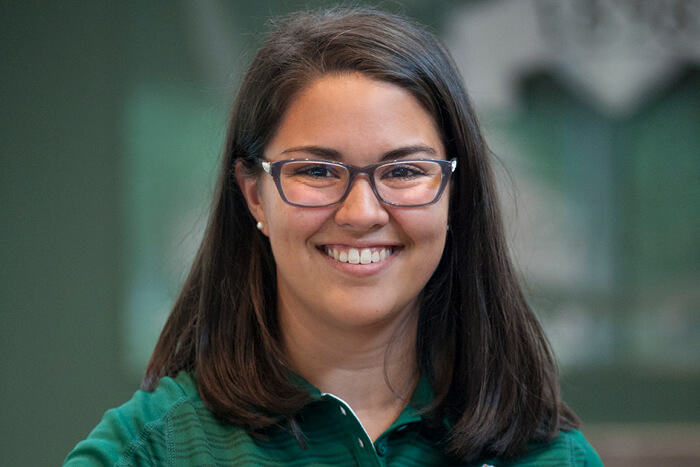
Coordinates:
(359, 255)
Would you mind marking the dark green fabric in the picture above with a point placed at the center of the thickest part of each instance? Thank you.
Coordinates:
(172, 427)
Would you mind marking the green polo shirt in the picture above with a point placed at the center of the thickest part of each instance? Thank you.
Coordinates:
(172, 427)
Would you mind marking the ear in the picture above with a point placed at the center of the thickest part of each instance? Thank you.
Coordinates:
(251, 193)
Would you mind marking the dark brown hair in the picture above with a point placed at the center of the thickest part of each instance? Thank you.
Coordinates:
(479, 343)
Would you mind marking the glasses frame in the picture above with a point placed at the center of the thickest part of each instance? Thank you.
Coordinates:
(275, 168)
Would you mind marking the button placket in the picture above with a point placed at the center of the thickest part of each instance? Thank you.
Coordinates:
(363, 446)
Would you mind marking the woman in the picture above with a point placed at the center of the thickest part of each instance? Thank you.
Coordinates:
(352, 301)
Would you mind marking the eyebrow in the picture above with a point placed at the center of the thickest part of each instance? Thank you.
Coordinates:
(406, 151)
(334, 155)
(318, 151)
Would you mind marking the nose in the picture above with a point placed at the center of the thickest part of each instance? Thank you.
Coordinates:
(361, 210)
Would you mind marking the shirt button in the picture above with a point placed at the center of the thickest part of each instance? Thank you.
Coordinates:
(382, 449)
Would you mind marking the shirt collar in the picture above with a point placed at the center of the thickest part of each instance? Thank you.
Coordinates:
(422, 396)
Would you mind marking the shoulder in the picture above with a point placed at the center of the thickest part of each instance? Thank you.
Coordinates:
(144, 427)
(569, 449)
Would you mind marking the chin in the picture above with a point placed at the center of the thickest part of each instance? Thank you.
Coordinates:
(369, 313)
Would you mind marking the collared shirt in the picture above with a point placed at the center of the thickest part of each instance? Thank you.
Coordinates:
(172, 427)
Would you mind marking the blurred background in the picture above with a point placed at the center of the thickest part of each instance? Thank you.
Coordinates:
(113, 119)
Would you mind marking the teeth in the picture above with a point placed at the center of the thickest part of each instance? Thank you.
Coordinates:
(359, 256)
(365, 256)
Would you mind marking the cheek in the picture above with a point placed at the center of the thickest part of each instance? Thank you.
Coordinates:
(290, 227)
(427, 221)
(427, 230)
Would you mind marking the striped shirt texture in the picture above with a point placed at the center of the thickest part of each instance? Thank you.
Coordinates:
(172, 427)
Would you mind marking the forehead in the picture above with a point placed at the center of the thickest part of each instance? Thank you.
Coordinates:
(354, 115)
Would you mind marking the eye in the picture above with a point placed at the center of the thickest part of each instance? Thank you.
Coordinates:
(402, 171)
(314, 170)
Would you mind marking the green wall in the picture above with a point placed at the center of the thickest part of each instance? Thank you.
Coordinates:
(60, 172)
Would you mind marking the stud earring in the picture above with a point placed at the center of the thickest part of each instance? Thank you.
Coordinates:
(259, 225)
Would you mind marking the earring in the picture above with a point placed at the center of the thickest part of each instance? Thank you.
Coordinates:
(259, 225)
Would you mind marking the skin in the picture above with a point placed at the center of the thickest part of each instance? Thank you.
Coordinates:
(348, 328)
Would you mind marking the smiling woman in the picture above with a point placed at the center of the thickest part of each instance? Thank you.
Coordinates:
(352, 302)
(359, 120)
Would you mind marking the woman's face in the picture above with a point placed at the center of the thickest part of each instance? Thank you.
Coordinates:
(360, 120)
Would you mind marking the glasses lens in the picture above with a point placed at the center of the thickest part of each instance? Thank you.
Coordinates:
(313, 183)
(409, 183)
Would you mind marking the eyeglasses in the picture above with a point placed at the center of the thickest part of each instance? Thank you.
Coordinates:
(317, 183)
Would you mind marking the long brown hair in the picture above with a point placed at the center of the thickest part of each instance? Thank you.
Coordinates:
(479, 343)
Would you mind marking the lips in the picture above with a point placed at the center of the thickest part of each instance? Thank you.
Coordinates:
(358, 255)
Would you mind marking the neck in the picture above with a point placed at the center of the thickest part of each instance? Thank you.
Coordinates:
(373, 369)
